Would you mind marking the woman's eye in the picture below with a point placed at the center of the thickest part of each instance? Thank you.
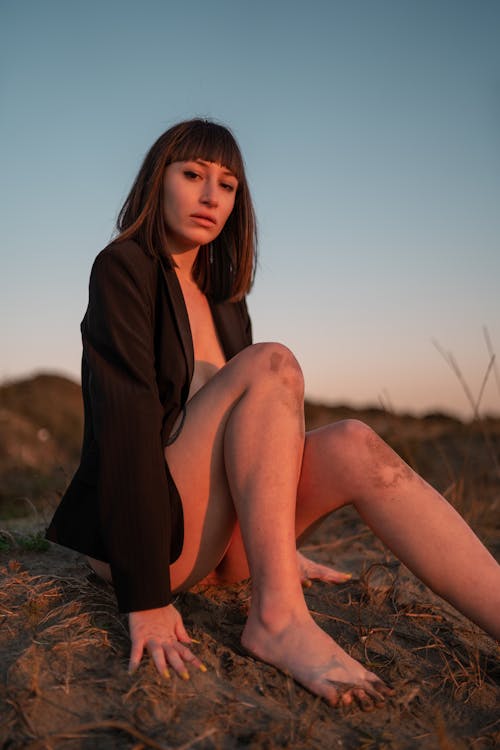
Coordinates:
(190, 174)
(228, 186)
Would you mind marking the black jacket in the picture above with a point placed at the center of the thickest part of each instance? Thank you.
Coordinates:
(137, 366)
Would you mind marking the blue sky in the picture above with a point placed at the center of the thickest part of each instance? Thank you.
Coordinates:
(371, 132)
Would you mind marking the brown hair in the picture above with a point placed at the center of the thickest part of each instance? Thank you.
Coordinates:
(224, 269)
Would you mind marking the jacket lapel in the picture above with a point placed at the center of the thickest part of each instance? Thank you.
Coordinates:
(180, 314)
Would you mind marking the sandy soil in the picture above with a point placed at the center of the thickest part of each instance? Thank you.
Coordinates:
(64, 648)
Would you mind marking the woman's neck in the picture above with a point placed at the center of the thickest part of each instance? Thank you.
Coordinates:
(184, 262)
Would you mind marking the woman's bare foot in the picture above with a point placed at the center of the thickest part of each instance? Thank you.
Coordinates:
(311, 570)
(301, 649)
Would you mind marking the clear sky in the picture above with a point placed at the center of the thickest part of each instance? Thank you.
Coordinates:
(371, 132)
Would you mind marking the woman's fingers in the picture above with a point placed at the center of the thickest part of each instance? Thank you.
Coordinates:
(181, 633)
(157, 653)
(171, 654)
(187, 656)
(177, 659)
(165, 637)
(135, 656)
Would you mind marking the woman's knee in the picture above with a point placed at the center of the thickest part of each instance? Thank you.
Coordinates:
(345, 448)
(331, 473)
(270, 361)
(350, 436)
(370, 448)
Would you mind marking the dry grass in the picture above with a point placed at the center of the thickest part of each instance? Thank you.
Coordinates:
(64, 655)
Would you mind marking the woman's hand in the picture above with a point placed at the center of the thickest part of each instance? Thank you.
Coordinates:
(162, 633)
(308, 570)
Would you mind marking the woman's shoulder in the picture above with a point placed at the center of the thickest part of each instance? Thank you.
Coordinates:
(124, 259)
(127, 253)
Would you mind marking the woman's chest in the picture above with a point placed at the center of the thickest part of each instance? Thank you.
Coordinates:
(208, 354)
(206, 345)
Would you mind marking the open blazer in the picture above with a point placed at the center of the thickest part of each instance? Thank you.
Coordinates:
(122, 506)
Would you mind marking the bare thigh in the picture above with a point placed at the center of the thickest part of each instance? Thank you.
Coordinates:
(196, 462)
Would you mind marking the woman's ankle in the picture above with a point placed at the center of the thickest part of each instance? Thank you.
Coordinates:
(275, 613)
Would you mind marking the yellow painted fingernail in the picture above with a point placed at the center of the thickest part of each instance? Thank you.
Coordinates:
(193, 640)
(166, 674)
(348, 575)
(202, 668)
(185, 675)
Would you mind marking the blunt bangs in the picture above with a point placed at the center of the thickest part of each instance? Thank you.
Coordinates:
(208, 141)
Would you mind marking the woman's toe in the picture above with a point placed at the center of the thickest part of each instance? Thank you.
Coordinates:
(330, 692)
(381, 688)
(366, 701)
(346, 698)
(377, 692)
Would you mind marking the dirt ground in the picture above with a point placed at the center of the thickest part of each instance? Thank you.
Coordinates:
(64, 647)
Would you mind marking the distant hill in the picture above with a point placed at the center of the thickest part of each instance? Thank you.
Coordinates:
(41, 426)
(46, 410)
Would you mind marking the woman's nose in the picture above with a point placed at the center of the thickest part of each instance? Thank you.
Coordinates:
(209, 194)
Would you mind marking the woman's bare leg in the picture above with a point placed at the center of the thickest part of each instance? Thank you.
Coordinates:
(347, 462)
(239, 455)
(408, 515)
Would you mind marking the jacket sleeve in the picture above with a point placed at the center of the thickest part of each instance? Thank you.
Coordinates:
(118, 337)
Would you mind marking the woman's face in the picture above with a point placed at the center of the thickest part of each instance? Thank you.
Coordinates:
(198, 199)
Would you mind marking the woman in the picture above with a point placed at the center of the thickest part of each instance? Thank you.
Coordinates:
(194, 460)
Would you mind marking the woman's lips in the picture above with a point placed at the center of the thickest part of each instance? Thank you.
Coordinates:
(207, 221)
